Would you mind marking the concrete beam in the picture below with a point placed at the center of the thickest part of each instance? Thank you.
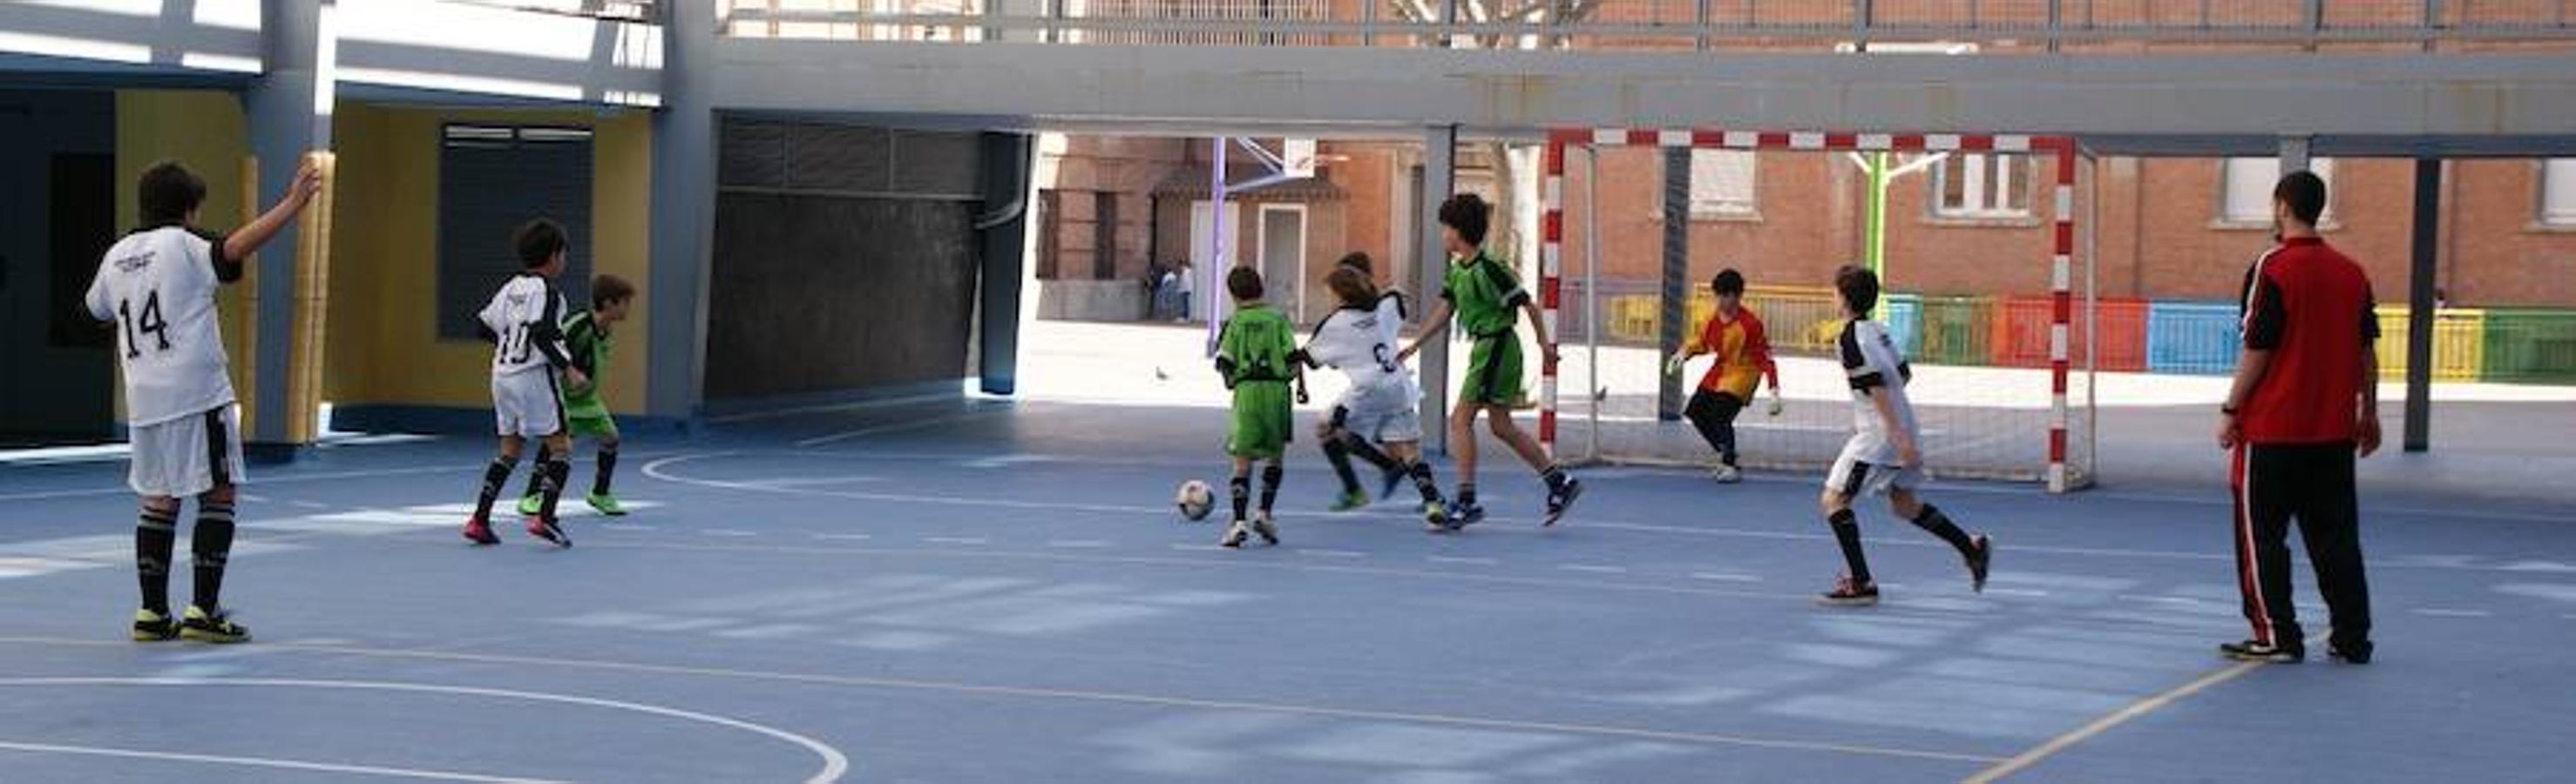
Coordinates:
(2398, 94)
(208, 38)
(476, 50)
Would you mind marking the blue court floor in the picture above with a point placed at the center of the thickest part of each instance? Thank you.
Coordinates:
(985, 591)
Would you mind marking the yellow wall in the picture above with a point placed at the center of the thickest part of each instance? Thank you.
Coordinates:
(205, 130)
(384, 345)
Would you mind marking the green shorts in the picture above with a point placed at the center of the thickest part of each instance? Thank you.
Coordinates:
(1263, 421)
(602, 426)
(1494, 372)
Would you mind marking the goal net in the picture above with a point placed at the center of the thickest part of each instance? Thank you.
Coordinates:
(1976, 240)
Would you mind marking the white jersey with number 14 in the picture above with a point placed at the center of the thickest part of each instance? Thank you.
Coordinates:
(158, 288)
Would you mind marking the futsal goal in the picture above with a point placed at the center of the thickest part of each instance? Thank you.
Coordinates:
(1999, 328)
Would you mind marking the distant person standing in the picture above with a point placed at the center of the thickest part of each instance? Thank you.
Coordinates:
(2305, 402)
(1189, 283)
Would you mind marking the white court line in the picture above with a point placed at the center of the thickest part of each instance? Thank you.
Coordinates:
(2033, 593)
(2440, 613)
(1595, 569)
(835, 764)
(964, 540)
(1331, 553)
(1196, 548)
(843, 537)
(1078, 543)
(735, 532)
(2037, 754)
(1726, 577)
(1451, 559)
(627, 527)
(265, 762)
(287, 479)
(1119, 698)
(893, 428)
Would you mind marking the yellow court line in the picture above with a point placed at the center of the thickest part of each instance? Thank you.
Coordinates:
(2040, 753)
(1088, 696)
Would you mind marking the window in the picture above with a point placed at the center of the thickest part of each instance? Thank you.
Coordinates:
(2558, 192)
(1722, 182)
(2246, 197)
(491, 180)
(1104, 235)
(1050, 236)
(1976, 185)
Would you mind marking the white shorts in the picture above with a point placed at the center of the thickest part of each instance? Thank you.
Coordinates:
(1855, 478)
(188, 456)
(527, 404)
(1384, 425)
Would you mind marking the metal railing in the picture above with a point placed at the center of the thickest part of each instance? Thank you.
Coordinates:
(1901, 26)
(623, 10)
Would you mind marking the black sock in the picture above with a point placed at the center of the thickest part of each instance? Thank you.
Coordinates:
(495, 476)
(1422, 481)
(1241, 488)
(1554, 477)
(1466, 494)
(1931, 519)
(551, 489)
(607, 470)
(155, 536)
(1847, 531)
(1369, 452)
(536, 479)
(1270, 476)
(1339, 454)
(212, 543)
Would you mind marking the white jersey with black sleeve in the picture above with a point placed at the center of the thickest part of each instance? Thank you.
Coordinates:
(1872, 363)
(157, 287)
(1362, 343)
(525, 322)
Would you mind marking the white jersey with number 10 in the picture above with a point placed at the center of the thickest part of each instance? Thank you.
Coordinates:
(526, 320)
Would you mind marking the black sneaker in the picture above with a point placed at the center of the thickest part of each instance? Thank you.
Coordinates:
(2252, 651)
(1850, 593)
(2356, 653)
(151, 626)
(1561, 498)
(215, 627)
(550, 530)
(1463, 515)
(1979, 561)
(1267, 529)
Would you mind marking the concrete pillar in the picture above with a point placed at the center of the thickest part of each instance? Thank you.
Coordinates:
(2419, 298)
(288, 108)
(1009, 160)
(683, 210)
(1439, 179)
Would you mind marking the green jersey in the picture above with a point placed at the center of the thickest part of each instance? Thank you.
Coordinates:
(590, 348)
(1485, 293)
(1256, 345)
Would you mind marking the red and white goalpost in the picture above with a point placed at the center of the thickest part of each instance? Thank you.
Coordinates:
(2062, 150)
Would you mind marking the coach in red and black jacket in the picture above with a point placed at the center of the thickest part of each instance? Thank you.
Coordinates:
(2304, 404)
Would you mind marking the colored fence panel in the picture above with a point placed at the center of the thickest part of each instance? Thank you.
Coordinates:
(2528, 347)
(2022, 324)
(2193, 338)
(2459, 343)
(1958, 330)
(1904, 315)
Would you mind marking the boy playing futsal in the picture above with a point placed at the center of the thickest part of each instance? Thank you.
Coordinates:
(1256, 354)
(1359, 339)
(1482, 293)
(157, 287)
(524, 321)
(1743, 352)
(589, 334)
(1389, 310)
(1884, 453)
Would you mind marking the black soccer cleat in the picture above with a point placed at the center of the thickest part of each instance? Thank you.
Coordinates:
(550, 530)
(2355, 653)
(1980, 561)
(151, 626)
(1463, 515)
(1850, 593)
(215, 627)
(2252, 651)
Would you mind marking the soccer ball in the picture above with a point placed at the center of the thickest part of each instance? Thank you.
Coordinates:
(1194, 499)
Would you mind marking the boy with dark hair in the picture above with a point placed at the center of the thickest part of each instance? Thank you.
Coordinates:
(1885, 452)
(2304, 405)
(1256, 354)
(524, 321)
(1743, 350)
(157, 286)
(1389, 310)
(1382, 404)
(1482, 293)
(588, 334)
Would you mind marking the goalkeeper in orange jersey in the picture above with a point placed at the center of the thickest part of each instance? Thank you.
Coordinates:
(1743, 353)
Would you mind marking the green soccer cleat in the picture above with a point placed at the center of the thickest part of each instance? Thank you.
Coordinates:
(607, 505)
(1351, 499)
(217, 627)
(531, 504)
(151, 626)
